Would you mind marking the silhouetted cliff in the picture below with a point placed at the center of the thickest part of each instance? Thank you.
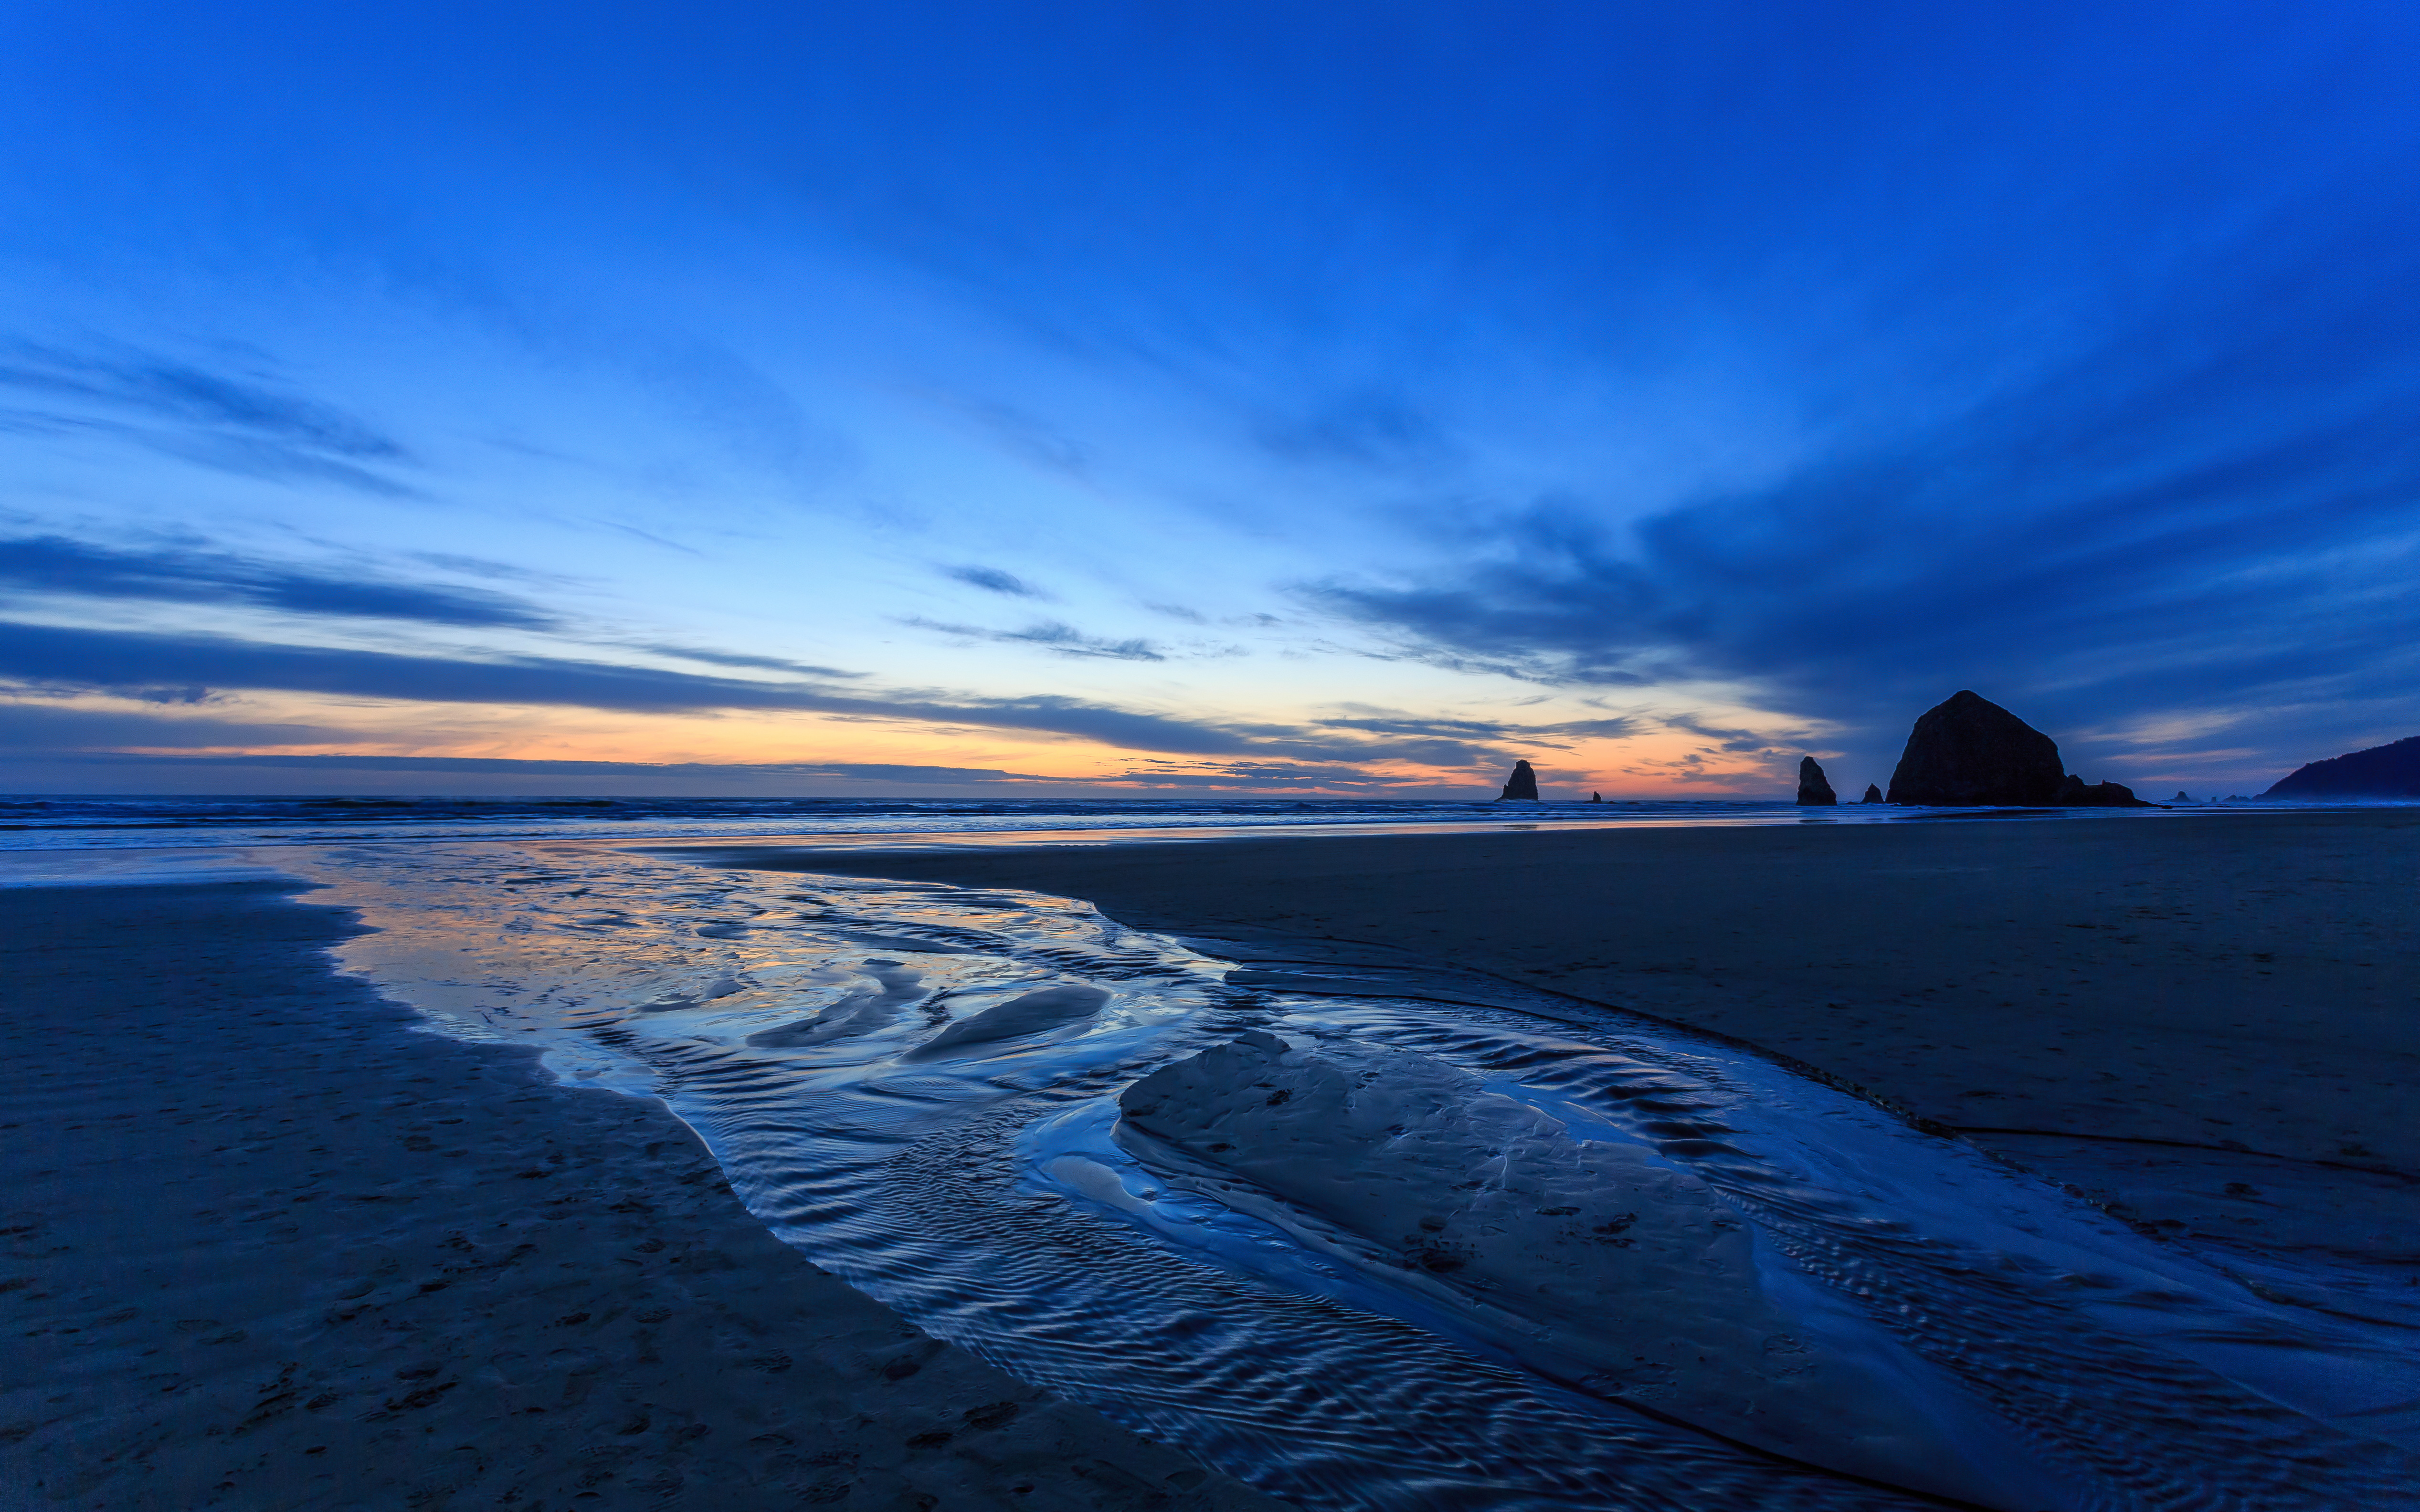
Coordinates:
(2380, 772)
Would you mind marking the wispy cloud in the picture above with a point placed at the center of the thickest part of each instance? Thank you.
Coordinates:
(781, 772)
(236, 424)
(56, 565)
(1558, 734)
(1374, 430)
(57, 659)
(741, 659)
(27, 727)
(1065, 640)
(993, 580)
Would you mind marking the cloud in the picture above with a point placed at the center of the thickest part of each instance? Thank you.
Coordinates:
(175, 391)
(1556, 735)
(1382, 432)
(43, 726)
(1734, 741)
(738, 658)
(510, 767)
(2154, 523)
(991, 579)
(1065, 640)
(1024, 436)
(54, 658)
(236, 424)
(1251, 777)
(52, 564)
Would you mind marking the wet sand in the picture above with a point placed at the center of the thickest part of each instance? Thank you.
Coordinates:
(2209, 1022)
(269, 1246)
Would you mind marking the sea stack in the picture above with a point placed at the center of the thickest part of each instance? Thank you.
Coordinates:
(1812, 789)
(1522, 784)
(1874, 795)
(1971, 752)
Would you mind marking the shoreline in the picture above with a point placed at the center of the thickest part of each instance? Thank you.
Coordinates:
(273, 1243)
(2204, 1028)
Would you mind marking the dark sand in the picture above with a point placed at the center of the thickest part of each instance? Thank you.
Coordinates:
(2211, 1022)
(269, 1247)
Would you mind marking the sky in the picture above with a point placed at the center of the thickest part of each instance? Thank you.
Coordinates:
(1006, 399)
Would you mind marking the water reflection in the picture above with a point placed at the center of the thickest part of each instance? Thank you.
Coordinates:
(1764, 1293)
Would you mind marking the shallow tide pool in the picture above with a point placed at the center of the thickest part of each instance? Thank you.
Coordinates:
(1376, 1234)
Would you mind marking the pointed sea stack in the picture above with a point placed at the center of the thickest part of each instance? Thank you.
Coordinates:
(1971, 752)
(1812, 790)
(1874, 795)
(1522, 784)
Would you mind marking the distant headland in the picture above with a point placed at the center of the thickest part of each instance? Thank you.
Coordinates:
(2390, 771)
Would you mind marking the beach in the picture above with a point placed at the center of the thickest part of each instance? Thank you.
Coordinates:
(2157, 1008)
(274, 1244)
(269, 1245)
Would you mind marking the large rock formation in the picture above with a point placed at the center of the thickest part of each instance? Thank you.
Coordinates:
(1970, 751)
(1523, 783)
(1812, 789)
(2380, 772)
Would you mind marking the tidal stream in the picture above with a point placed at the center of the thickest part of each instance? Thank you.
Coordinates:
(1376, 1234)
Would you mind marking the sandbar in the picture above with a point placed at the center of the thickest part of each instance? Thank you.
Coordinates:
(2207, 1022)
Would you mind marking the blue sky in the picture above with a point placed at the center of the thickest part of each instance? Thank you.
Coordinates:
(1350, 398)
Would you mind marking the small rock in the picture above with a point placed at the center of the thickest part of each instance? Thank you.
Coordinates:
(1812, 789)
(1874, 795)
(2076, 794)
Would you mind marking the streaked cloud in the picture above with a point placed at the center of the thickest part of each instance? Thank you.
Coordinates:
(993, 580)
(125, 663)
(1065, 640)
(239, 423)
(56, 565)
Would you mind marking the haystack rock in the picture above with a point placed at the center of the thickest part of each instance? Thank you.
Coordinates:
(1874, 795)
(1523, 784)
(1970, 751)
(2380, 772)
(1812, 789)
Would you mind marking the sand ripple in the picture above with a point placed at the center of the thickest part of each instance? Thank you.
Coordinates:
(1490, 1249)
